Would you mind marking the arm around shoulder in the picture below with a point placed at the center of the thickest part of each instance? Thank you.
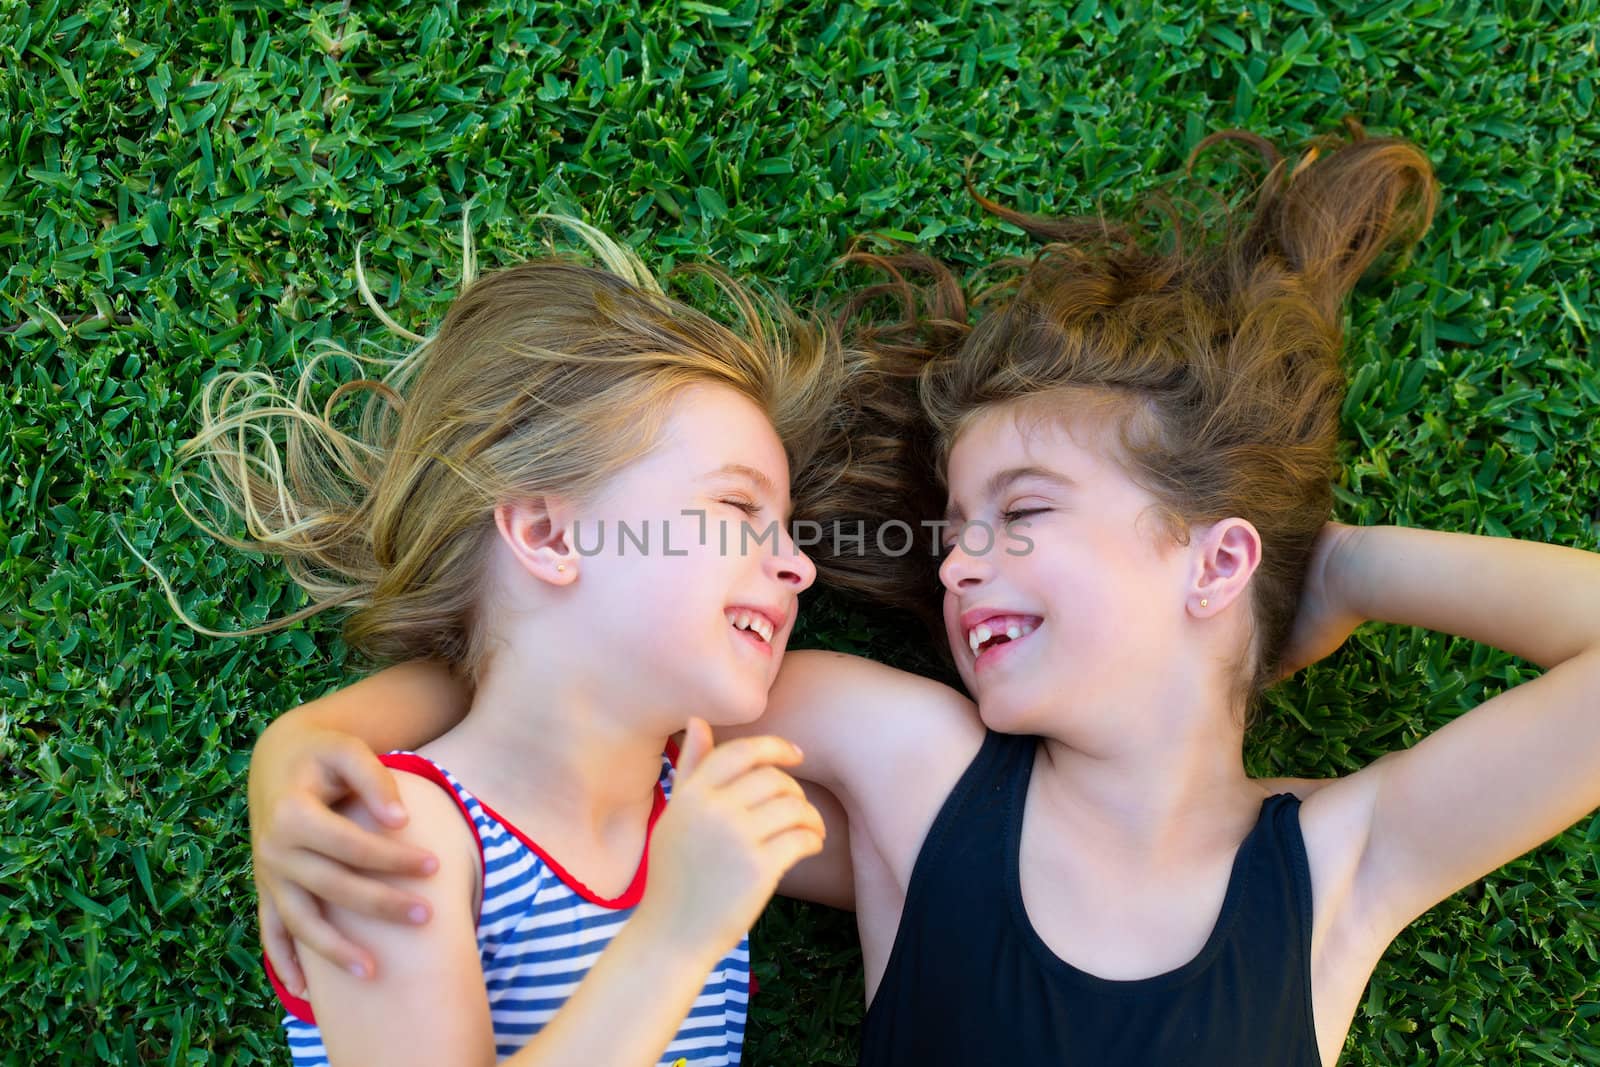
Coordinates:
(399, 707)
(426, 1002)
(889, 745)
(863, 725)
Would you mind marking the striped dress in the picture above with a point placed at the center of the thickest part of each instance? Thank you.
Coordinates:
(539, 932)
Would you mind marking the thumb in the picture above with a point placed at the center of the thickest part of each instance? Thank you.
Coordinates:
(372, 782)
(696, 744)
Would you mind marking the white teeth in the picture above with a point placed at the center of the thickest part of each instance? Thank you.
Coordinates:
(756, 624)
(1012, 626)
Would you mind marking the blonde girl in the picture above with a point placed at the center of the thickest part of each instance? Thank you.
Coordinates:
(590, 882)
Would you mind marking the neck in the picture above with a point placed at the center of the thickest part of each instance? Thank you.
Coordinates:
(538, 729)
(1174, 783)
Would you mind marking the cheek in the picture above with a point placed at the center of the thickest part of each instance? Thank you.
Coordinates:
(952, 621)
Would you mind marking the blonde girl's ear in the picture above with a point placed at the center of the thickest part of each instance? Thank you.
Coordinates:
(1227, 554)
(541, 539)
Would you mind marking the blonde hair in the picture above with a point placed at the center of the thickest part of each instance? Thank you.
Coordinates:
(544, 378)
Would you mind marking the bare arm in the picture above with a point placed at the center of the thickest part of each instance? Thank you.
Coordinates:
(426, 999)
(400, 707)
(313, 758)
(886, 744)
(874, 737)
(828, 877)
(715, 856)
(1512, 772)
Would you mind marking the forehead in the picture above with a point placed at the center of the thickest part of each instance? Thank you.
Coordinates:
(710, 426)
(1075, 444)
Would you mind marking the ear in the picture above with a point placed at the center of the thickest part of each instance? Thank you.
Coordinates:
(540, 536)
(1227, 553)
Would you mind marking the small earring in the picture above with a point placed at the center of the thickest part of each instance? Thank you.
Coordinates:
(1204, 601)
(561, 568)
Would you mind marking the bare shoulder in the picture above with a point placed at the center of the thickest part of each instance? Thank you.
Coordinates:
(1336, 823)
(862, 716)
(432, 808)
(1334, 816)
(889, 744)
(425, 1001)
(869, 685)
(435, 822)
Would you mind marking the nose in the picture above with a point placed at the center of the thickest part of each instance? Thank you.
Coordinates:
(791, 566)
(963, 570)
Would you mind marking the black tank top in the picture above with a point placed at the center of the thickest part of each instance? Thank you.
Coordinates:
(969, 982)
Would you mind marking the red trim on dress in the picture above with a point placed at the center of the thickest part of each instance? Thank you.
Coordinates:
(406, 763)
(422, 767)
(630, 896)
(299, 1007)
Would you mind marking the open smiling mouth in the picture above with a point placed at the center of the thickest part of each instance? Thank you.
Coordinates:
(1000, 630)
(753, 627)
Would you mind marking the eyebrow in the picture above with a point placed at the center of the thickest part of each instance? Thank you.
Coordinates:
(744, 471)
(1000, 481)
(760, 480)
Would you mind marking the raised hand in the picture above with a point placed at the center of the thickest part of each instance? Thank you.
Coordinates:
(1325, 619)
(736, 823)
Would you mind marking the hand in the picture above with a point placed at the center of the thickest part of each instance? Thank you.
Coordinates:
(1324, 619)
(306, 854)
(736, 823)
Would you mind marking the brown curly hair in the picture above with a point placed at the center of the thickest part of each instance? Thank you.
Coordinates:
(1220, 344)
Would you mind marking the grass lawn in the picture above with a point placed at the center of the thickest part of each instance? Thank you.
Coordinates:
(182, 187)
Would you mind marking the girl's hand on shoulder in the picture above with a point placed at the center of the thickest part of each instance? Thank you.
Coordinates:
(736, 823)
(1324, 620)
(306, 855)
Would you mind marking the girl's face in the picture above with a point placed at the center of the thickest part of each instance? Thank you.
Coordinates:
(695, 588)
(1081, 589)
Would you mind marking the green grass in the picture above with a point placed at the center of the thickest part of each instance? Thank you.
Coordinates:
(182, 187)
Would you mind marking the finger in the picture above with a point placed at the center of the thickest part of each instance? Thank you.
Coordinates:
(761, 784)
(321, 831)
(790, 847)
(279, 947)
(311, 930)
(372, 782)
(333, 883)
(732, 758)
(782, 815)
(696, 743)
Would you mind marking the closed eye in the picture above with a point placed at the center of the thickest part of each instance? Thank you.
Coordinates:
(1018, 514)
(746, 506)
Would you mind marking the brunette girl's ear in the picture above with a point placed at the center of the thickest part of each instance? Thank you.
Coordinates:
(1227, 554)
(539, 534)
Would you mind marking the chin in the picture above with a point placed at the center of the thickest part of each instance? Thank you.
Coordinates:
(1005, 714)
(736, 710)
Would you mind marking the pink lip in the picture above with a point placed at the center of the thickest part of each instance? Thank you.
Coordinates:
(755, 642)
(978, 616)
